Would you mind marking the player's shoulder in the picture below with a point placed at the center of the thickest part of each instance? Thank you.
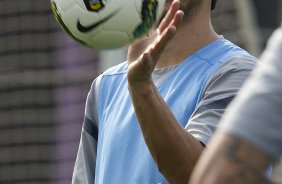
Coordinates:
(235, 64)
(223, 51)
(119, 69)
(112, 77)
(230, 52)
(235, 60)
(236, 69)
(240, 62)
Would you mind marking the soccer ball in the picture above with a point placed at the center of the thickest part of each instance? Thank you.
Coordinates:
(105, 24)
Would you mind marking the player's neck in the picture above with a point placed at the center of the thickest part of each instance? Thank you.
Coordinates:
(190, 37)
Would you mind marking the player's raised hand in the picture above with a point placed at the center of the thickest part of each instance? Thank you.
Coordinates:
(143, 56)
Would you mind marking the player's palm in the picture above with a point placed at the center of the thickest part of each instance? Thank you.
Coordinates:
(144, 54)
(138, 47)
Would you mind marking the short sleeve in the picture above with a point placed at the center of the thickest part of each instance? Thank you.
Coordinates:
(219, 91)
(84, 169)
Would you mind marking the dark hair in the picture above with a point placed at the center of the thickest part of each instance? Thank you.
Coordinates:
(213, 3)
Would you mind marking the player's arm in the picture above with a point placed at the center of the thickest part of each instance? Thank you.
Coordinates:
(84, 169)
(229, 159)
(174, 150)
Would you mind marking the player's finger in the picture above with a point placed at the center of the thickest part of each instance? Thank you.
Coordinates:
(167, 36)
(169, 15)
(177, 18)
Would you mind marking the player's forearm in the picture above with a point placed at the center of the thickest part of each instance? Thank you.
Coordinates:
(174, 150)
(231, 160)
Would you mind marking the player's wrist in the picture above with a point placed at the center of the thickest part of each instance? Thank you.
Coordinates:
(142, 88)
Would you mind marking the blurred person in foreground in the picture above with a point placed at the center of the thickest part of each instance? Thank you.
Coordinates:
(148, 119)
(250, 136)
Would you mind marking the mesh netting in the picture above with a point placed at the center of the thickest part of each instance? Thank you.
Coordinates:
(44, 80)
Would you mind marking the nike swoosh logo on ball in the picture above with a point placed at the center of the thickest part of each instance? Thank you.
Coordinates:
(85, 29)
